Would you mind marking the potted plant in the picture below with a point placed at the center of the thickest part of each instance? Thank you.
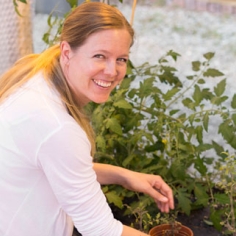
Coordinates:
(167, 225)
(163, 224)
(171, 229)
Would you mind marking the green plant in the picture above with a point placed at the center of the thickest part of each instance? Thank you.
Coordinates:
(160, 125)
(15, 3)
(55, 23)
(174, 229)
(144, 221)
(224, 200)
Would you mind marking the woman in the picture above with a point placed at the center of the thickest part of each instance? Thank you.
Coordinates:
(48, 181)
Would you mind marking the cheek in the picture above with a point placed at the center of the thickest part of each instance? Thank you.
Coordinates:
(122, 73)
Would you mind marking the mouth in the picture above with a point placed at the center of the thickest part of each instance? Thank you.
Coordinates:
(102, 84)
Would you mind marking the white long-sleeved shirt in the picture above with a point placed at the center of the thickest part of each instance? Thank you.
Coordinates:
(47, 181)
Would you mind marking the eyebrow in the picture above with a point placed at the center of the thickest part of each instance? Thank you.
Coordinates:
(105, 51)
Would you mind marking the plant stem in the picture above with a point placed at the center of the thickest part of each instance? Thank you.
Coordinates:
(232, 205)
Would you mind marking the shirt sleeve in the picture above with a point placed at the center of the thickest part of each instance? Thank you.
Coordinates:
(64, 156)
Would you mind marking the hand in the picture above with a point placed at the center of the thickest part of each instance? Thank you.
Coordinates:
(154, 186)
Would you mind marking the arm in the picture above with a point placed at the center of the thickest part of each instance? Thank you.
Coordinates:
(109, 174)
(153, 185)
(128, 231)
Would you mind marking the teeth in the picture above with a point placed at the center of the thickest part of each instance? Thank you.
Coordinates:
(102, 83)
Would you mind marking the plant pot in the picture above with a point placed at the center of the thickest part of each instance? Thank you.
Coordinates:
(170, 230)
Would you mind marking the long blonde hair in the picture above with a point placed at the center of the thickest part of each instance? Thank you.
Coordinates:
(85, 20)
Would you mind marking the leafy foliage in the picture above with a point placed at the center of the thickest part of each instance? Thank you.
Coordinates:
(15, 3)
(223, 214)
(157, 123)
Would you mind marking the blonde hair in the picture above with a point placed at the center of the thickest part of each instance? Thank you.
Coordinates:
(85, 20)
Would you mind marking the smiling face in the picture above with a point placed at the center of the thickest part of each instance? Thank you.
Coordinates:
(94, 69)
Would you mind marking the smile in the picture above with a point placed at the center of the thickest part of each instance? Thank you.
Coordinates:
(102, 83)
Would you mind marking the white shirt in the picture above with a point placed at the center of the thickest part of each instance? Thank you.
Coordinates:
(47, 181)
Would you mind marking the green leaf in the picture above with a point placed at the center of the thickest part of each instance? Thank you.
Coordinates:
(126, 83)
(133, 121)
(220, 88)
(227, 131)
(207, 94)
(183, 201)
(212, 73)
(190, 77)
(218, 100)
(46, 38)
(234, 118)
(168, 76)
(196, 65)
(197, 95)
(178, 170)
(127, 160)
(191, 118)
(173, 54)
(51, 21)
(222, 198)
(201, 195)
(122, 103)
(72, 3)
(113, 124)
(204, 147)
(219, 149)
(200, 166)
(16, 6)
(216, 218)
(23, 1)
(199, 130)
(170, 93)
(233, 102)
(201, 81)
(113, 198)
(159, 145)
(187, 102)
(101, 143)
(209, 55)
(206, 121)
(172, 112)
(146, 87)
(130, 68)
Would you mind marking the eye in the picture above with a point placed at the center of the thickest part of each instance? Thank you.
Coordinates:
(100, 56)
(122, 60)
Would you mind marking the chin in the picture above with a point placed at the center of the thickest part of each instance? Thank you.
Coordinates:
(100, 101)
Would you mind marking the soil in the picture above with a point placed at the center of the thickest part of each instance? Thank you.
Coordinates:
(195, 222)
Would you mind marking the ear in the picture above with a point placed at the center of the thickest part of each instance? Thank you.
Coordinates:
(66, 52)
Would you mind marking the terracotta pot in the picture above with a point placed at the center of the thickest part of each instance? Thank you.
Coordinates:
(167, 230)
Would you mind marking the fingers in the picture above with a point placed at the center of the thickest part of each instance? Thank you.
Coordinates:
(154, 186)
(163, 202)
(169, 196)
(163, 196)
(163, 207)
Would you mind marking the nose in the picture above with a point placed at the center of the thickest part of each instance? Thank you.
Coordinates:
(111, 68)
